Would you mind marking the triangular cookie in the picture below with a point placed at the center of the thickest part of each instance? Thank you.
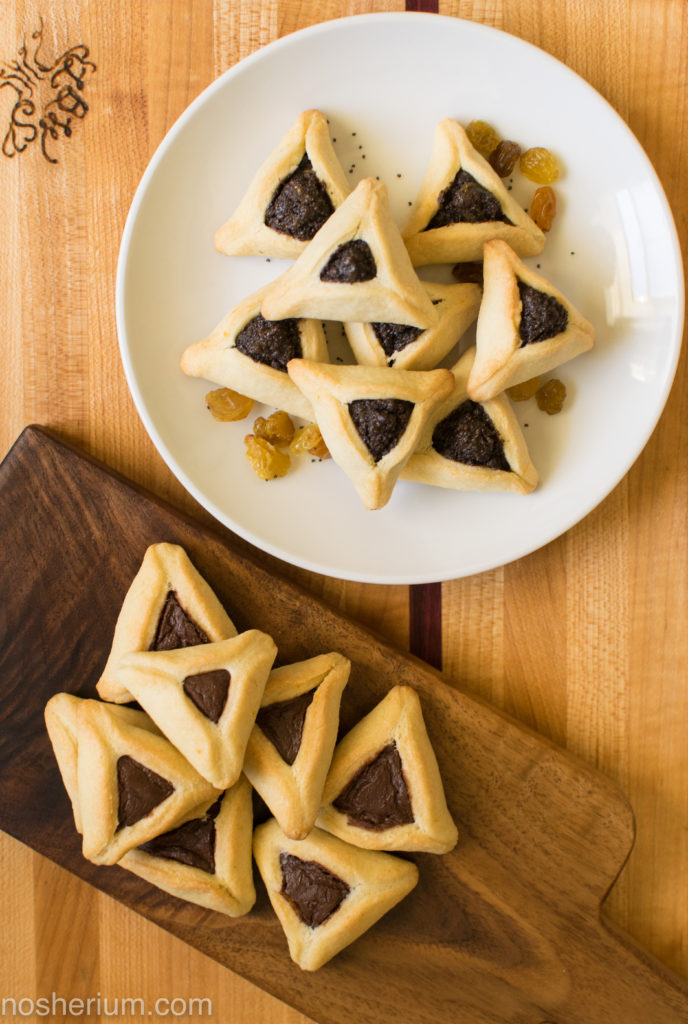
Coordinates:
(207, 860)
(249, 354)
(462, 202)
(326, 893)
(168, 605)
(290, 748)
(356, 268)
(412, 348)
(61, 714)
(291, 196)
(204, 699)
(383, 790)
(525, 326)
(370, 417)
(472, 446)
(132, 783)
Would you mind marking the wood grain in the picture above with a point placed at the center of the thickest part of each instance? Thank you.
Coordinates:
(605, 673)
(505, 927)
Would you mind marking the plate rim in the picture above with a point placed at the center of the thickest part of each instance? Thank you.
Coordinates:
(387, 578)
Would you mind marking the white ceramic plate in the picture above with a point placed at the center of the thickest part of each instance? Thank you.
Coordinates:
(385, 80)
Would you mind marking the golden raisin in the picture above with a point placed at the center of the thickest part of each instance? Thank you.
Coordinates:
(278, 429)
(267, 461)
(522, 392)
(550, 397)
(468, 273)
(309, 441)
(503, 158)
(227, 405)
(543, 208)
(539, 165)
(483, 137)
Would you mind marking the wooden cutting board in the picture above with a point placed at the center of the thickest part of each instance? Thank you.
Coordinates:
(504, 930)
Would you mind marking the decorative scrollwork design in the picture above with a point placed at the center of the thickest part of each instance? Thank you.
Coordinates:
(48, 96)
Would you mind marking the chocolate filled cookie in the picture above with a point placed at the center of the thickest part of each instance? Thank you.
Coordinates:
(325, 892)
(384, 790)
(207, 859)
(204, 698)
(168, 606)
(131, 783)
(290, 747)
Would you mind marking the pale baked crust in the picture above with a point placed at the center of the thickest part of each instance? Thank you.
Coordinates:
(217, 359)
(501, 360)
(293, 791)
(452, 151)
(230, 888)
(398, 718)
(330, 388)
(165, 568)
(156, 680)
(61, 714)
(393, 295)
(246, 233)
(377, 882)
(427, 466)
(457, 307)
(103, 736)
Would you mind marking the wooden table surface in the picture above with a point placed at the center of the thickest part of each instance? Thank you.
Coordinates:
(586, 640)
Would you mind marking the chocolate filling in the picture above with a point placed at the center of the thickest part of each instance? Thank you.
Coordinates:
(468, 435)
(272, 342)
(466, 201)
(314, 892)
(350, 262)
(542, 316)
(394, 337)
(380, 422)
(192, 843)
(300, 204)
(377, 797)
(282, 723)
(175, 628)
(140, 790)
(208, 691)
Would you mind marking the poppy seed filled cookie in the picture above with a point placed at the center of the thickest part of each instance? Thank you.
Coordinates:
(468, 435)
(272, 342)
(300, 205)
(380, 422)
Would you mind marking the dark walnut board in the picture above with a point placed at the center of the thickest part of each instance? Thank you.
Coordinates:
(504, 930)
